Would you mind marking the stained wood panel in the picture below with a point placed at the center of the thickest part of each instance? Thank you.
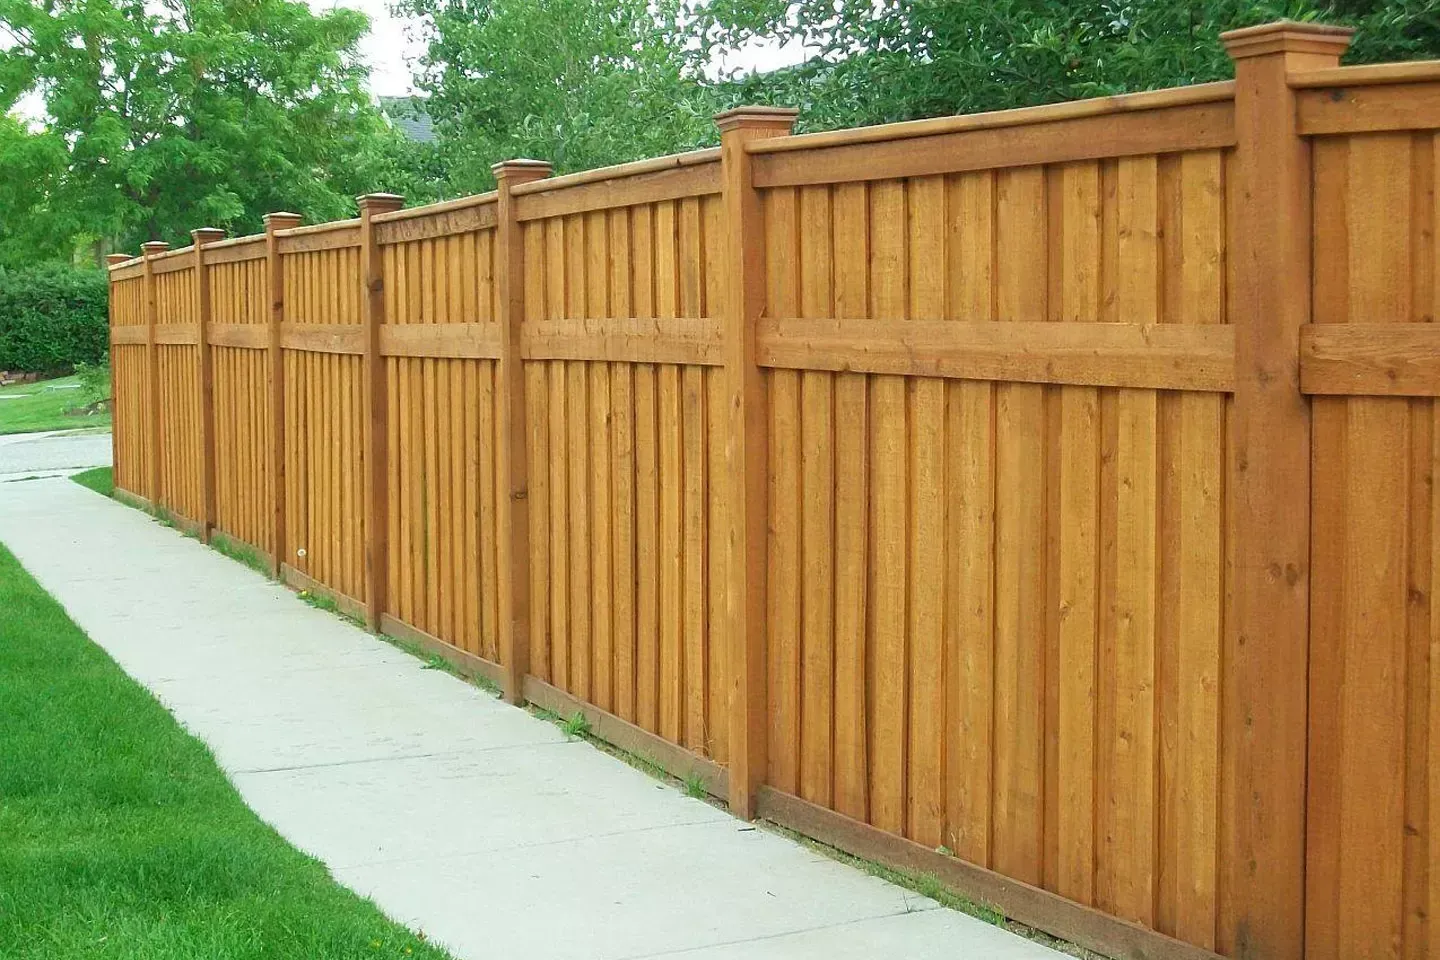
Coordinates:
(624, 500)
(244, 493)
(128, 372)
(995, 607)
(443, 575)
(179, 414)
(1371, 878)
(324, 445)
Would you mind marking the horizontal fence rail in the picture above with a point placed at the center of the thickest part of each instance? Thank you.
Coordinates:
(1042, 500)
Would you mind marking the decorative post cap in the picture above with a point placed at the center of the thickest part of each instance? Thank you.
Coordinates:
(204, 235)
(281, 220)
(379, 202)
(1286, 36)
(113, 259)
(764, 118)
(521, 169)
(151, 247)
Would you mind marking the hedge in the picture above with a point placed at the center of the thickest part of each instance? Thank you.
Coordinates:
(52, 316)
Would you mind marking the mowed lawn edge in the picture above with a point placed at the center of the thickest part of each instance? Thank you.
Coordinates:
(37, 407)
(120, 837)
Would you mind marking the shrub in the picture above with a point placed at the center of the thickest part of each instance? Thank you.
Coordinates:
(52, 317)
(94, 380)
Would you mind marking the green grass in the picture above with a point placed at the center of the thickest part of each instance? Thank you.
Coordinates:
(577, 727)
(241, 552)
(42, 408)
(119, 836)
(100, 479)
(695, 787)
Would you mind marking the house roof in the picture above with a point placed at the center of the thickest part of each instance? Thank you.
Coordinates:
(408, 115)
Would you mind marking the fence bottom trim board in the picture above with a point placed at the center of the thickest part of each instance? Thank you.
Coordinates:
(466, 664)
(308, 584)
(191, 528)
(624, 735)
(1032, 906)
(133, 500)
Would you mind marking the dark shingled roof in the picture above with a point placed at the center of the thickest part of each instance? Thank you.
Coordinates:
(407, 114)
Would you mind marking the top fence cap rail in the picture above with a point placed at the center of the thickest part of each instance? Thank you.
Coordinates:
(1216, 92)
(619, 171)
(1369, 75)
(437, 208)
(325, 227)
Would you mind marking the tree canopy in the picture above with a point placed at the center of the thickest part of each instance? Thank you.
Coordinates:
(162, 117)
(893, 60)
(580, 83)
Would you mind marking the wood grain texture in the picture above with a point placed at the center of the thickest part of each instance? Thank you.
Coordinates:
(1129, 354)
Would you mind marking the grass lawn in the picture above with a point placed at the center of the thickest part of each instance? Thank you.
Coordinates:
(99, 479)
(40, 408)
(121, 838)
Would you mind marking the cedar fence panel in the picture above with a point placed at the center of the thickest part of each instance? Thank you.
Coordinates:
(240, 312)
(942, 489)
(1373, 865)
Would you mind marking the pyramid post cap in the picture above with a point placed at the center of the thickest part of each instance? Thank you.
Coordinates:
(1286, 36)
(152, 247)
(767, 118)
(204, 235)
(379, 202)
(113, 259)
(281, 219)
(522, 168)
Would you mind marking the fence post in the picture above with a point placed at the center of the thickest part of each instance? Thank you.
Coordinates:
(274, 222)
(377, 502)
(512, 520)
(112, 260)
(1267, 647)
(206, 378)
(747, 448)
(152, 368)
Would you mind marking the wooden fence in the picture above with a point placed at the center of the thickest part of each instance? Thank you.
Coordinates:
(1043, 500)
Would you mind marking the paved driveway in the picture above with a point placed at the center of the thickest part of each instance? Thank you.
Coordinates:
(43, 454)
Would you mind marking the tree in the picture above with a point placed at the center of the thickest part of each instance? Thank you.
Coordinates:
(581, 83)
(33, 165)
(879, 61)
(184, 113)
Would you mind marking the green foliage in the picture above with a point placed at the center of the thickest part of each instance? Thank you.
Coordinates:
(241, 552)
(94, 380)
(183, 114)
(31, 228)
(578, 726)
(99, 479)
(120, 837)
(905, 59)
(52, 317)
(581, 83)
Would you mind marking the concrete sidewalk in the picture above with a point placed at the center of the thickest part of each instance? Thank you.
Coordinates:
(458, 815)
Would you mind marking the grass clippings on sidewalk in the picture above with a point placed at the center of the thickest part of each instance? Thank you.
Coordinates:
(121, 838)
